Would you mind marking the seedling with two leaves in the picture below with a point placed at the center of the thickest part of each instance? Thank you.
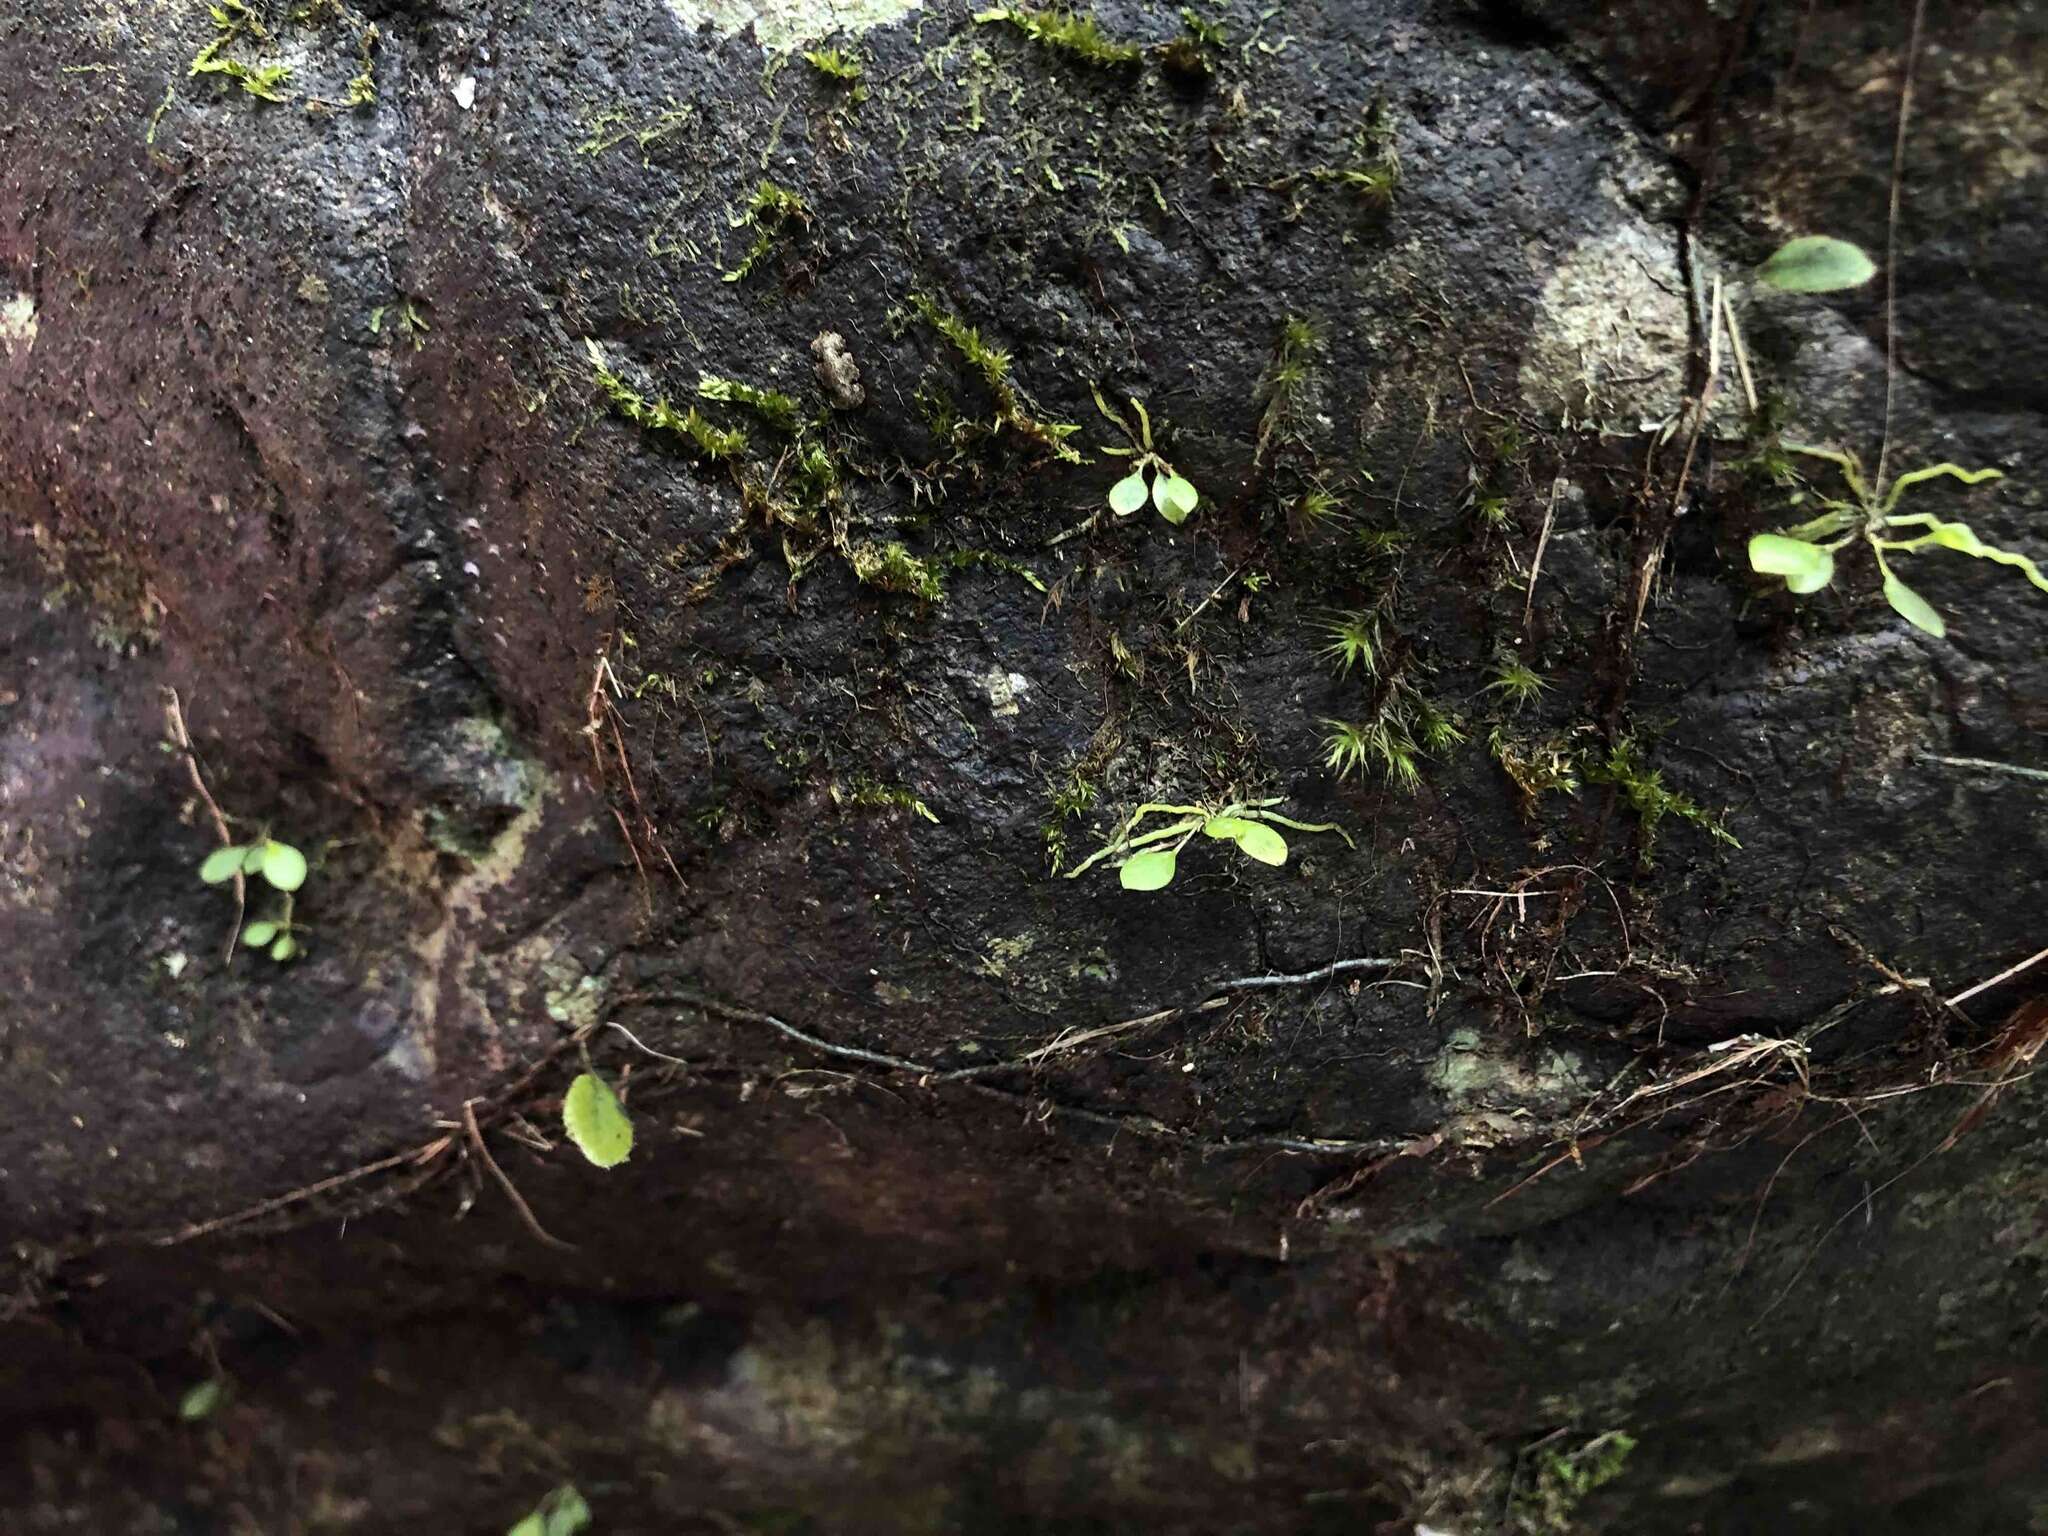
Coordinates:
(283, 869)
(1174, 496)
(1147, 861)
(1804, 555)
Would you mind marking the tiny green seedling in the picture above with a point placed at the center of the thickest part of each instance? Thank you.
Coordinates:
(596, 1121)
(202, 1399)
(1517, 683)
(1354, 641)
(1148, 860)
(1079, 35)
(283, 869)
(1171, 492)
(563, 1512)
(1817, 264)
(1804, 555)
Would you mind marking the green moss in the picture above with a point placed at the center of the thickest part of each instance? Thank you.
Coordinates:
(834, 64)
(866, 794)
(408, 318)
(1286, 381)
(1649, 797)
(992, 366)
(1374, 171)
(1393, 742)
(1536, 767)
(960, 559)
(1188, 55)
(616, 126)
(707, 441)
(1071, 796)
(771, 405)
(232, 20)
(771, 212)
(1558, 1480)
(1070, 32)
(362, 86)
(895, 569)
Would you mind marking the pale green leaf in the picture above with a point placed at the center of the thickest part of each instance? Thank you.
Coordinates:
(561, 1513)
(1814, 579)
(596, 1122)
(1175, 498)
(1805, 567)
(285, 947)
(201, 1399)
(221, 865)
(284, 866)
(1912, 607)
(1254, 839)
(1147, 871)
(256, 935)
(1817, 264)
(252, 858)
(1128, 494)
(1957, 536)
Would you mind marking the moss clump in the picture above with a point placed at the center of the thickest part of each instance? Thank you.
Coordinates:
(835, 64)
(1075, 33)
(362, 86)
(992, 365)
(659, 416)
(1559, 1480)
(1536, 767)
(895, 569)
(1286, 380)
(616, 126)
(1374, 170)
(1649, 797)
(1393, 742)
(771, 212)
(771, 405)
(1187, 56)
(233, 20)
(866, 794)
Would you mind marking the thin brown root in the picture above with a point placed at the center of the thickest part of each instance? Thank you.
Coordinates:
(2005, 975)
(419, 1156)
(174, 716)
(476, 1141)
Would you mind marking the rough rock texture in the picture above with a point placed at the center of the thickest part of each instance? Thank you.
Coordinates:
(347, 431)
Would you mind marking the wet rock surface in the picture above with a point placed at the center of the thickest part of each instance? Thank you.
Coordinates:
(1591, 1076)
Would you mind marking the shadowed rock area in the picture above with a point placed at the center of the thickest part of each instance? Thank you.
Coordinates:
(625, 488)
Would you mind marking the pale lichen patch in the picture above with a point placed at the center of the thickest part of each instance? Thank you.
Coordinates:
(781, 26)
(17, 323)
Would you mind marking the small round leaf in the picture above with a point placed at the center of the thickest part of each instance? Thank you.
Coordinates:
(1128, 494)
(1147, 871)
(201, 1399)
(1261, 842)
(1912, 607)
(256, 935)
(1776, 554)
(1817, 264)
(285, 947)
(252, 859)
(1957, 536)
(1254, 839)
(1175, 497)
(221, 865)
(284, 866)
(596, 1122)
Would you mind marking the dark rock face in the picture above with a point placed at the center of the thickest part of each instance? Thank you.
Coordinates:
(1590, 1078)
